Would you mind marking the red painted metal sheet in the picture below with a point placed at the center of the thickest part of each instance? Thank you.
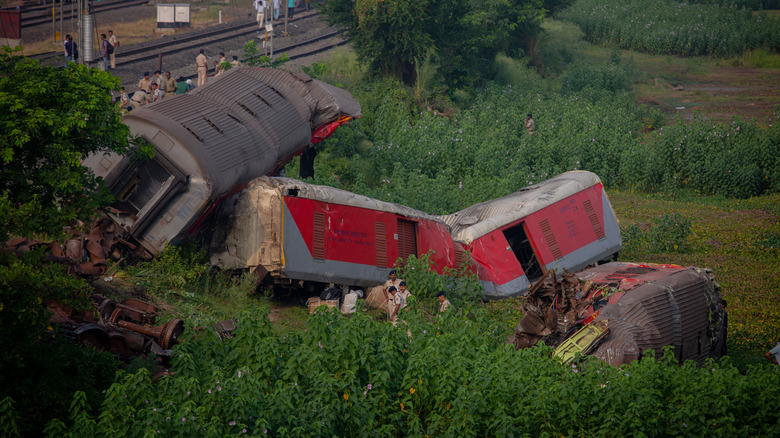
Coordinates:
(11, 25)
(350, 232)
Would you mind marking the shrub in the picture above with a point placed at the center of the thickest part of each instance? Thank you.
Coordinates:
(450, 376)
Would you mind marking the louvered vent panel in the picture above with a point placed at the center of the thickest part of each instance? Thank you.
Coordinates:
(594, 220)
(381, 244)
(549, 237)
(458, 256)
(318, 244)
(407, 239)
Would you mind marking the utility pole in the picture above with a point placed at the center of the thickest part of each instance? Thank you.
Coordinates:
(286, 16)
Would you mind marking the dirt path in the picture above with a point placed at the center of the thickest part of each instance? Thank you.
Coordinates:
(719, 93)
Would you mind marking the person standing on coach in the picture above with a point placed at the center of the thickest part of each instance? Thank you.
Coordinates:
(114, 42)
(104, 51)
(145, 83)
(170, 84)
(203, 68)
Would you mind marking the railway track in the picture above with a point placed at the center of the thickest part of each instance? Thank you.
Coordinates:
(176, 44)
(38, 14)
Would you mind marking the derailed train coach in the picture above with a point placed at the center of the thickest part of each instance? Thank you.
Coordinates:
(620, 312)
(291, 232)
(562, 224)
(245, 123)
(302, 235)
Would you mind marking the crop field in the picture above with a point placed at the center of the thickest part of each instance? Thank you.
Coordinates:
(672, 27)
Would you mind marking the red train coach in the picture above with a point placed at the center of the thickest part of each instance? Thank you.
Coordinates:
(563, 223)
(298, 234)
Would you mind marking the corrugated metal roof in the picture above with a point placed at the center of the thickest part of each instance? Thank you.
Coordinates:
(474, 222)
(662, 308)
(336, 196)
(244, 121)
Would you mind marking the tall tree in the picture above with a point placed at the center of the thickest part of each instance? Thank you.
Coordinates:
(51, 119)
(461, 36)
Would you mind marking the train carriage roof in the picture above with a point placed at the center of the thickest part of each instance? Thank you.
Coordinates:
(294, 187)
(243, 122)
(474, 222)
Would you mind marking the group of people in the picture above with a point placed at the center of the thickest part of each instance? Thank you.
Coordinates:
(108, 46)
(398, 295)
(261, 6)
(149, 90)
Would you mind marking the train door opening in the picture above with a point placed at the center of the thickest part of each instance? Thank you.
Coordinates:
(524, 252)
(407, 238)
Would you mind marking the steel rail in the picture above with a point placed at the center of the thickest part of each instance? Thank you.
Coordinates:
(46, 19)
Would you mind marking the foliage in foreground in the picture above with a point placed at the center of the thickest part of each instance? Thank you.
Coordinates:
(51, 119)
(38, 368)
(670, 27)
(450, 376)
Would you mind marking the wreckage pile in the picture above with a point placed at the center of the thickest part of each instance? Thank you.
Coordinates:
(125, 329)
(552, 309)
(620, 311)
(83, 253)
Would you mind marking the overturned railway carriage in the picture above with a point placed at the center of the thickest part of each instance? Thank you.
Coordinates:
(245, 123)
(298, 234)
(290, 231)
(564, 223)
(648, 306)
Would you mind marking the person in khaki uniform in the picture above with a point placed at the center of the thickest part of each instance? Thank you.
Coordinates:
(114, 42)
(395, 304)
(392, 281)
(140, 98)
(203, 68)
(170, 84)
(145, 83)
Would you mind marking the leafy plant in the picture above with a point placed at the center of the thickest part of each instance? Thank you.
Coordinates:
(52, 119)
(253, 57)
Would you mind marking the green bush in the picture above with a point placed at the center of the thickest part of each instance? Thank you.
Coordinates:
(450, 376)
(612, 77)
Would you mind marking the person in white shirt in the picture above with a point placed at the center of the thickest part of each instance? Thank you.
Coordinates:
(260, 6)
